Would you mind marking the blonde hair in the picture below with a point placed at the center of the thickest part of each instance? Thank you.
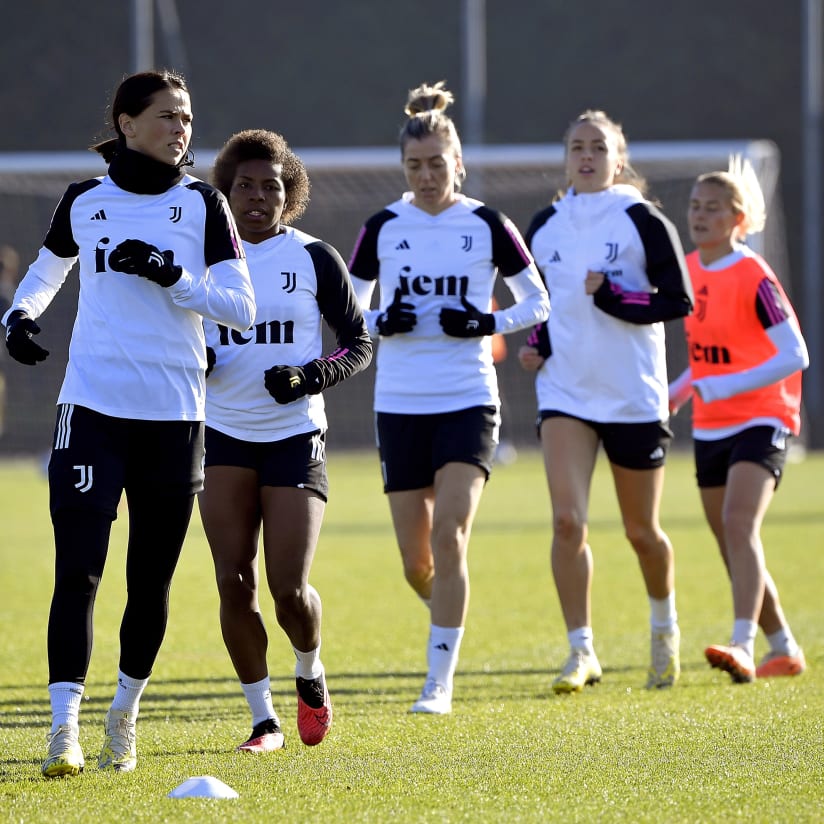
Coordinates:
(741, 185)
(599, 118)
(426, 108)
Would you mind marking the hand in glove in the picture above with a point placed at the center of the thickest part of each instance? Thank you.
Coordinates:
(134, 257)
(19, 330)
(468, 322)
(398, 318)
(285, 383)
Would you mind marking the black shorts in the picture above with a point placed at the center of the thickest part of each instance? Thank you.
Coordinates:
(95, 457)
(299, 461)
(413, 448)
(763, 445)
(630, 445)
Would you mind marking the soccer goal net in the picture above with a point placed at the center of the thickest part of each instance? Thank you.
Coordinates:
(348, 185)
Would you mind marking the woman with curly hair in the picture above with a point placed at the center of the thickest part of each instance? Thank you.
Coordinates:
(266, 425)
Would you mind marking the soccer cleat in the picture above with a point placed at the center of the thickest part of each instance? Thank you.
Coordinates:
(581, 668)
(733, 659)
(775, 663)
(665, 667)
(435, 699)
(119, 751)
(314, 709)
(65, 755)
(266, 737)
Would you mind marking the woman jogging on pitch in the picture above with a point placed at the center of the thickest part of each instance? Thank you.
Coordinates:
(746, 355)
(615, 271)
(266, 428)
(436, 254)
(158, 251)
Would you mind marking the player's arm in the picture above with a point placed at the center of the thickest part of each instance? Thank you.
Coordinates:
(515, 263)
(225, 294)
(339, 307)
(680, 391)
(666, 269)
(43, 280)
(341, 310)
(790, 356)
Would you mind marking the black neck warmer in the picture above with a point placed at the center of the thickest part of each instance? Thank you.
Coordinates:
(141, 174)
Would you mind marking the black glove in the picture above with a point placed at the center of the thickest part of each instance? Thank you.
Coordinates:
(285, 383)
(467, 323)
(19, 330)
(398, 318)
(211, 360)
(134, 257)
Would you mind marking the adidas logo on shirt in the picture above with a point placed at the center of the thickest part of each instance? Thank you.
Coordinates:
(556, 258)
(101, 215)
(404, 244)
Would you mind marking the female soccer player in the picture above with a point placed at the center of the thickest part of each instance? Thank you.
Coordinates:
(158, 251)
(436, 254)
(615, 270)
(746, 355)
(266, 425)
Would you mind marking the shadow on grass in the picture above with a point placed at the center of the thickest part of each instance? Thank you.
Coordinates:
(195, 698)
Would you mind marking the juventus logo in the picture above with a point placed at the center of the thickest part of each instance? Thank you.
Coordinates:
(612, 252)
(86, 478)
(290, 280)
(176, 213)
(467, 242)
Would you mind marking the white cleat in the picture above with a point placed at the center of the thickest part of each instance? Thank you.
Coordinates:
(119, 751)
(436, 699)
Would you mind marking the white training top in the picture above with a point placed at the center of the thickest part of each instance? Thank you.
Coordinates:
(608, 361)
(137, 349)
(298, 281)
(435, 260)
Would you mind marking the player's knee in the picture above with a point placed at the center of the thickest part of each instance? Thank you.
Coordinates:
(235, 588)
(418, 573)
(645, 538)
(291, 601)
(569, 528)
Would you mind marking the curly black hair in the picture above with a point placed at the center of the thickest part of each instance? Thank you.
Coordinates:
(261, 144)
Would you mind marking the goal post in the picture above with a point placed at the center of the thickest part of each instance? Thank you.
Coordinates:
(348, 185)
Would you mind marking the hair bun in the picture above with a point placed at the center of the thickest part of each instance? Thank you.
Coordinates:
(426, 98)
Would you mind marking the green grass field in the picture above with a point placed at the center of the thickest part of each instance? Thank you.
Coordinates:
(511, 751)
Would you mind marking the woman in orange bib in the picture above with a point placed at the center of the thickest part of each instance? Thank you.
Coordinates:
(746, 354)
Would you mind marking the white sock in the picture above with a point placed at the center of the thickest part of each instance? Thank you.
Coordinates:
(442, 653)
(663, 616)
(65, 698)
(743, 634)
(783, 642)
(127, 695)
(581, 638)
(259, 698)
(308, 664)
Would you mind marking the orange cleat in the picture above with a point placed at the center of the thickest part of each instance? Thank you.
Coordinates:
(732, 659)
(774, 664)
